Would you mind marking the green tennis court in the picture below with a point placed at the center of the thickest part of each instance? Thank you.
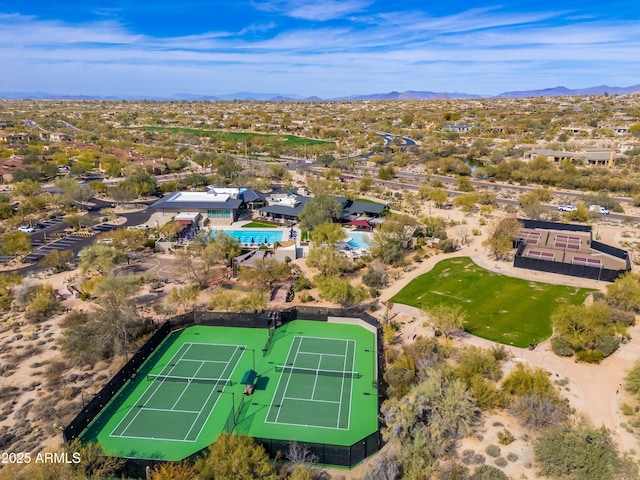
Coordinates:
(180, 397)
(314, 382)
(318, 376)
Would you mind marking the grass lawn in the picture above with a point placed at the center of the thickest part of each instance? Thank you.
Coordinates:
(288, 140)
(499, 308)
(260, 225)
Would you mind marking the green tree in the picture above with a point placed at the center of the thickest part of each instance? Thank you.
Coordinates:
(8, 281)
(391, 240)
(15, 243)
(583, 326)
(41, 302)
(438, 196)
(581, 452)
(340, 291)
(327, 259)
(502, 235)
(184, 296)
(464, 184)
(237, 457)
(624, 292)
(448, 318)
(329, 233)
(265, 272)
(466, 202)
(57, 260)
(101, 259)
(173, 471)
(319, 210)
(223, 300)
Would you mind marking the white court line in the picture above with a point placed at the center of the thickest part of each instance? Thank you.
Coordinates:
(353, 365)
(344, 365)
(315, 382)
(188, 385)
(273, 399)
(305, 425)
(202, 361)
(142, 396)
(215, 390)
(326, 354)
(155, 438)
(309, 400)
(286, 387)
(169, 411)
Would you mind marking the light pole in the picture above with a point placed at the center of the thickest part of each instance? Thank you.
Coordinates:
(253, 356)
(374, 382)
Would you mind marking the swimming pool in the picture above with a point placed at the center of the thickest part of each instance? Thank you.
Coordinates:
(254, 236)
(359, 240)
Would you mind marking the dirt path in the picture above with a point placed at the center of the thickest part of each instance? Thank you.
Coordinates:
(593, 389)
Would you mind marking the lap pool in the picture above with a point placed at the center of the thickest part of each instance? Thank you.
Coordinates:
(255, 236)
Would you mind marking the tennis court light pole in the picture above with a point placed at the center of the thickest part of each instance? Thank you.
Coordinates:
(374, 382)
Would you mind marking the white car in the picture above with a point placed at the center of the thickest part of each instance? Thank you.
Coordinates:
(598, 209)
(567, 208)
(26, 229)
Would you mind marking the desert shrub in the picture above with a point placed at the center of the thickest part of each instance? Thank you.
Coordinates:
(627, 409)
(501, 462)
(467, 457)
(607, 345)
(625, 318)
(42, 302)
(581, 452)
(561, 347)
(493, 450)
(478, 459)
(512, 457)
(538, 412)
(302, 283)
(589, 356)
(487, 472)
(505, 437)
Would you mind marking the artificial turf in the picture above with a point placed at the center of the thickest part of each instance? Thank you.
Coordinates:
(499, 308)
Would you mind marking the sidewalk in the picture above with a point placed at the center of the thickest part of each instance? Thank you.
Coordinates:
(593, 389)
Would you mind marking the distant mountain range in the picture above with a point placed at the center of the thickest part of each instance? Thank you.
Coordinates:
(407, 95)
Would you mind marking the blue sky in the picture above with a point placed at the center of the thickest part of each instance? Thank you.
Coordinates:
(313, 47)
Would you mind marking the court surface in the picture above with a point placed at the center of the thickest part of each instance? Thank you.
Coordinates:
(181, 396)
(318, 376)
(314, 382)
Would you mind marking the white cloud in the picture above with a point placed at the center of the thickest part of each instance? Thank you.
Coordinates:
(315, 10)
(474, 51)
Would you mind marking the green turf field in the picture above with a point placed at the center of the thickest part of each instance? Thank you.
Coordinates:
(313, 384)
(499, 308)
(287, 140)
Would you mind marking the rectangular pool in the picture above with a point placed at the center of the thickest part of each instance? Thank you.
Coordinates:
(255, 236)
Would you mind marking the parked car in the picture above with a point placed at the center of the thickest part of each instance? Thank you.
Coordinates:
(26, 229)
(567, 208)
(598, 209)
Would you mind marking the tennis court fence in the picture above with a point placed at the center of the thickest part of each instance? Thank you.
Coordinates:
(340, 455)
(347, 456)
(102, 398)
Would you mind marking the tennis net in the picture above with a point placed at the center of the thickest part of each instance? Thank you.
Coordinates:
(222, 382)
(314, 371)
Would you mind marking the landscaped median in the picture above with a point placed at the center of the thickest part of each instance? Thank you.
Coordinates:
(499, 308)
